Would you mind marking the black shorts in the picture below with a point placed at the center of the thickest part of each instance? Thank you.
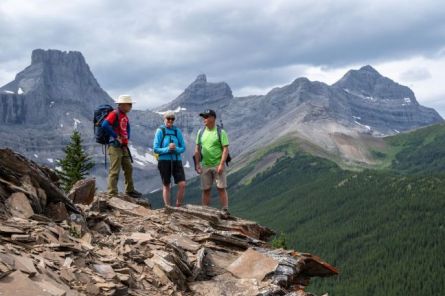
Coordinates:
(165, 169)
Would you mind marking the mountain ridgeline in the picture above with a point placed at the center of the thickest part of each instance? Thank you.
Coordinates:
(336, 118)
(58, 93)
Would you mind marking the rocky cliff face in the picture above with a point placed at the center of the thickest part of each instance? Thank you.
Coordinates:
(202, 93)
(87, 244)
(54, 82)
(383, 104)
(13, 108)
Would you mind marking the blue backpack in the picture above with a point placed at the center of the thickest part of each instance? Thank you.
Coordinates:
(102, 137)
(100, 113)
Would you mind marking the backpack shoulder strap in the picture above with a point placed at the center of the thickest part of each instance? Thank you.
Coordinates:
(175, 131)
(219, 131)
(176, 135)
(116, 122)
(200, 132)
(163, 135)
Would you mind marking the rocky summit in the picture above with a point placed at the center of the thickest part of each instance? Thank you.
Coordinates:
(88, 243)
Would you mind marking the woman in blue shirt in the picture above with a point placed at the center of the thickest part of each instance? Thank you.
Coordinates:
(169, 145)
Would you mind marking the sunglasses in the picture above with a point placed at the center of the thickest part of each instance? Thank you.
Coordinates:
(170, 118)
(205, 117)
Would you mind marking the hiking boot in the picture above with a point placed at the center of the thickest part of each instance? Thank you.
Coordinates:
(134, 194)
(225, 213)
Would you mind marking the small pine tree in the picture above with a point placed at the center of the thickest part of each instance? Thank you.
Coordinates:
(76, 164)
(280, 242)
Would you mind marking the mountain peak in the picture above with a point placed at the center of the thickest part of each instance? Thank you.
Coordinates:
(55, 56)
(201, 94)
(369, 83)
(300, 80)
(201, 78)
(369, 69)
(367, 73)
(54, 78)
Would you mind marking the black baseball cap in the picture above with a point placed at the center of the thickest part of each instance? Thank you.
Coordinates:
(207, 113)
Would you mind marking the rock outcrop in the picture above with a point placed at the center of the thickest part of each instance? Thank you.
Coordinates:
(54, 81)
(38, 184)
(382, 104)
(202, 94)
(119, 246)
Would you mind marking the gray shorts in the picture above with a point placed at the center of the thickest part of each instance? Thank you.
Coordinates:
(209, 175)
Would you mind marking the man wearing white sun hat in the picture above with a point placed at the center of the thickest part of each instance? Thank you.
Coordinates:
(118, 127)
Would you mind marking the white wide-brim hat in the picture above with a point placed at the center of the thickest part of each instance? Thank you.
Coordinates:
(124, 99)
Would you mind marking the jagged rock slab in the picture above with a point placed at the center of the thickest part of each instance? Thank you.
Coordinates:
(18, 283)
(128, 207)
(226, 284)
(253, 265)
(19, 206)
(83, 191)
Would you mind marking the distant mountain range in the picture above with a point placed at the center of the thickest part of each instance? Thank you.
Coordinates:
(58, 93)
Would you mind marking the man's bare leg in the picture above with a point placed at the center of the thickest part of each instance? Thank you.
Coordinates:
(180, 194)
(206, 197)
(223, 198)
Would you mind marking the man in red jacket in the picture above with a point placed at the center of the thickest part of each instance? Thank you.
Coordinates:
(118, 127)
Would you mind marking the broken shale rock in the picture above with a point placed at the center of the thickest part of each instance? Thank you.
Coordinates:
(19, 178)
(119, 246)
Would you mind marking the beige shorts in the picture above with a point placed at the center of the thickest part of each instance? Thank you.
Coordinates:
(209, 175)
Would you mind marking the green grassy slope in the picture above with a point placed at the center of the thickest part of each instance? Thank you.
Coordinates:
(418, 152)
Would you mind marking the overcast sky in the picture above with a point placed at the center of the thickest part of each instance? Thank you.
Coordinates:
(154, 49)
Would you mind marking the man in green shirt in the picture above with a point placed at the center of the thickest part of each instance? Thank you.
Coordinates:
(211, 152)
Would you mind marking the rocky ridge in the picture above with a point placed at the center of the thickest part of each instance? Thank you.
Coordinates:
(88, 243)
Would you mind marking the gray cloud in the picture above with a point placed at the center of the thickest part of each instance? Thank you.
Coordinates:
(155, 48)
(416, 74)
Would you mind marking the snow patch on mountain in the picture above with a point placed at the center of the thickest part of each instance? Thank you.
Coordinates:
(363, 125)
(177, 110)
(76, 122)
(142, 159)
